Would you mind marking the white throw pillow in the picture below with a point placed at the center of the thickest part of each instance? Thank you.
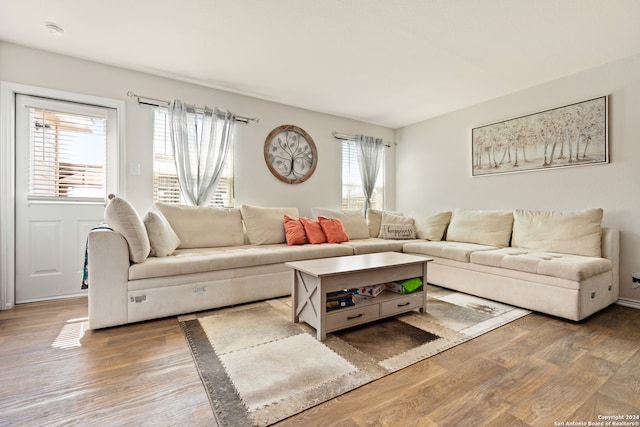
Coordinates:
(398, 231)
(374, 220)
(389, 218)
(484, 227)
(577, 233)
(124, 219)
(432, 227)
(353, 221)
(162, 238)
(203, 226)
(266, 225)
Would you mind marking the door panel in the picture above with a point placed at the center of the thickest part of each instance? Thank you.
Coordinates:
(51, 231)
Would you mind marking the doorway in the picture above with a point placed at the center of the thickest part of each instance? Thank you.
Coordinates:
(66, 162)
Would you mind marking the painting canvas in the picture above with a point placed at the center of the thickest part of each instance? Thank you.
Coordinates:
(573, 135)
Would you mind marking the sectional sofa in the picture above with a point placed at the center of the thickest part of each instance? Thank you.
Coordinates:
(182, 259)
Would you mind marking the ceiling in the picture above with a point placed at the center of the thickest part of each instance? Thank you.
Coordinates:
(388, 62)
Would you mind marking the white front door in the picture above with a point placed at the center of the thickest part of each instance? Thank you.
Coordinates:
(65, 160)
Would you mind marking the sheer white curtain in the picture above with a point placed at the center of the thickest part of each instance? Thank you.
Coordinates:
(370, 151)
(200, 142)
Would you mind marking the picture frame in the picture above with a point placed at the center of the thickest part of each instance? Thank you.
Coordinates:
(290, 154)
(572, 135)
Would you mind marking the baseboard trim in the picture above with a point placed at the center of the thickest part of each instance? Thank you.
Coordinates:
(628, 302)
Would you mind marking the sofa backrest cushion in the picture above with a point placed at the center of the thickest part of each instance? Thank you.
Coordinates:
(374, 220)
(162, 238)
(432, 227)
(577, 233)
(484, 227)
(265, 225)
(353, 221)
(124, 219)
(203, 226)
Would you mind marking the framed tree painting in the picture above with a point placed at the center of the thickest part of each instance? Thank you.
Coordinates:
(573, 135)
(290, 154)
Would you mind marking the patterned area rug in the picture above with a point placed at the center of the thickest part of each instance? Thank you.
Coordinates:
(259, 368)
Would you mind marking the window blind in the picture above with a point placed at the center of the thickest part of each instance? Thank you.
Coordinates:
(352, 191)
(68, 154)
(166, 188)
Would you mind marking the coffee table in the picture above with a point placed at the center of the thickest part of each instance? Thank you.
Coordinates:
(313, 279)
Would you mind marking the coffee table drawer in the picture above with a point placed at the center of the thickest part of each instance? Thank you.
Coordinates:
(347, 317)
(401, 304)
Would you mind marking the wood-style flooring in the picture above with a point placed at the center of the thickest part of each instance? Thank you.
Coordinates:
(535, 371)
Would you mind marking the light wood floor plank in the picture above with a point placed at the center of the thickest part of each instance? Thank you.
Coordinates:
(532, 372)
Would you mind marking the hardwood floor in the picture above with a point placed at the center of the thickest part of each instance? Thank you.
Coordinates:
(537, 371)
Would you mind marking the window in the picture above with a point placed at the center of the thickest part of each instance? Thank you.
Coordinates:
(67, 155)
(166, 188)
(352, 192)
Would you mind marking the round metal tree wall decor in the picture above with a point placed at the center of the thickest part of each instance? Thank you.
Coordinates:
(290, 154)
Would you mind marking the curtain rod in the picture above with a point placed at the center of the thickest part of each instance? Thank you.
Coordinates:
(145, 100)
(345, 137)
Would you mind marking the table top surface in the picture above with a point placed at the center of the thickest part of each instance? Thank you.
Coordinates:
(355, 263)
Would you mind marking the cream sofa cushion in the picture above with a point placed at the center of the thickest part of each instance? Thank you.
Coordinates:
(484, 227)
(374, 220)
(124, 219)
(266, 225)
(566, 266)
(432, 227)
(577, 233)
(204, 227)
(162, 238)
(353, 221)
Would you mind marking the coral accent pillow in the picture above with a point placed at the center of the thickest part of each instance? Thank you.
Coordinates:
(333, 229)
(294, 231)
(313, 230)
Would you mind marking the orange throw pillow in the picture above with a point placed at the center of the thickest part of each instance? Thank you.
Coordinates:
(313, 230)
(333, 229)
(294, 231)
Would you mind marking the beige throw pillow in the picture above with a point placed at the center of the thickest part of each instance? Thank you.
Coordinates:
(162, 238)
(266, 225)
(432, 227)
(203, 226)
(389, 218)
(124, 219)
(374, 220)
(484, 227)
(353, 221)
(577, 233)
(398, 231)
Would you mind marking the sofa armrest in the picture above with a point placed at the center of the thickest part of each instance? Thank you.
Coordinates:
(108, 276)
(611, 251)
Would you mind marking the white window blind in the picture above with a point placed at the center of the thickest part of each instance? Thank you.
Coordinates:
(352, 191)
(166, 188)
(68, 154)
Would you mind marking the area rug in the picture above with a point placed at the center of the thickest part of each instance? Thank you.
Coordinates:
(259, 368)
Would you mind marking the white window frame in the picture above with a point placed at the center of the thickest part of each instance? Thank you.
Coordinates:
(163, 159)
(352, 191)
(44, 184)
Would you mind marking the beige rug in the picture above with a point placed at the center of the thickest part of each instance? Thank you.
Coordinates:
(259, 368)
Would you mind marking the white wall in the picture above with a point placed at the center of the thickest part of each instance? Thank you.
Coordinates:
(254, 183)
(433, 160)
